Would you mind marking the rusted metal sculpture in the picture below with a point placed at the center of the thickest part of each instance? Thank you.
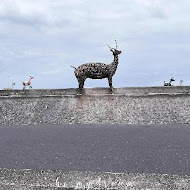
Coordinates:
(169, 83)
(27, 83)
(97, 70)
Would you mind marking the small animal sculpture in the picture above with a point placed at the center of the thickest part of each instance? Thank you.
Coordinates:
(97, 70)
(12, 85)
(169, 83)
(181, 83)
(27, 83)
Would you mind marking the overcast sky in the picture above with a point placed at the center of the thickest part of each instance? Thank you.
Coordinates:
(43, 38)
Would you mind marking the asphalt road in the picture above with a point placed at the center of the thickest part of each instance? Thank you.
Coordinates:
(163, 149)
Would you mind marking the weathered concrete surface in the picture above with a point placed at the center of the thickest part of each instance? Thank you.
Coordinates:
(33, 179)
(148, 105)
(98, 91)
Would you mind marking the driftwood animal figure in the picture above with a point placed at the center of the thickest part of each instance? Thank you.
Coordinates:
(12, 88)
(27, 83)
(181, 83)
(169, 83)
(97, 70)
(12, 84)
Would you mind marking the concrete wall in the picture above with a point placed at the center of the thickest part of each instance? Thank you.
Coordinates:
(60, 180)
(145, 105)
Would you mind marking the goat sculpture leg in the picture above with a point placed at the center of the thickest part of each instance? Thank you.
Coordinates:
(81, 85)
(110, 83)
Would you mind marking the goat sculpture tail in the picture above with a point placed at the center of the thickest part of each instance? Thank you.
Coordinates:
(73, 67)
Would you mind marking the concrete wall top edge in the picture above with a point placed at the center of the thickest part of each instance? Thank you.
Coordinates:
(97, 91)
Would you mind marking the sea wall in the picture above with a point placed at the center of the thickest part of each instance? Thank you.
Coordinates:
(143, 105)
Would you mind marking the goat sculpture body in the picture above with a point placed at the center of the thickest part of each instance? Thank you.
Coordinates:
(97, 70)
(27, 83)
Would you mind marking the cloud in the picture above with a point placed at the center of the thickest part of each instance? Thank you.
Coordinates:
(45, 37)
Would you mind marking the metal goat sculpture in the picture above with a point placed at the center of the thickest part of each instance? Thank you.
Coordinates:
(169, 83)
(98, 70)
(27, 83)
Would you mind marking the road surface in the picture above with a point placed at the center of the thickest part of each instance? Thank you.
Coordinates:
(163, 149)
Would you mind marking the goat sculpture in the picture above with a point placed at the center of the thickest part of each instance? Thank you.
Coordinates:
(169, 83)
(97, 70)
(27, 83)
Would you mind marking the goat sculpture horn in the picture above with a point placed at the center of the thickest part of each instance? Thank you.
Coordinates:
(116, 44)
(110, 47)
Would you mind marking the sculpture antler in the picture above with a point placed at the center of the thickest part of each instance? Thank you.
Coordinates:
(116, 44)
(111, 49)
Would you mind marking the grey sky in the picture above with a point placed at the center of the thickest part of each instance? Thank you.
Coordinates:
(43, 38)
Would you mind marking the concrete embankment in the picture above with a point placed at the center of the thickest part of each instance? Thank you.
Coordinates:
(54, 180)
(147, 105)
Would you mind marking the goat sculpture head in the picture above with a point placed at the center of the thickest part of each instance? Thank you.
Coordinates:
(115, 51)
